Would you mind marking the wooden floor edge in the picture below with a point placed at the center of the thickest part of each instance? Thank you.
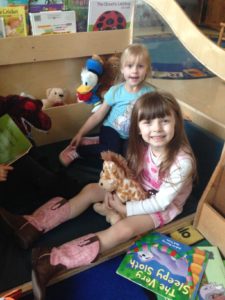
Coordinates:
(27, 287)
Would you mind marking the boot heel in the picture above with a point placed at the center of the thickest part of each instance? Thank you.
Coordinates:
(24, 232)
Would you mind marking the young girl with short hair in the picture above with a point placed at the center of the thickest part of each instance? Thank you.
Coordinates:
(159, 152)
(115, 111)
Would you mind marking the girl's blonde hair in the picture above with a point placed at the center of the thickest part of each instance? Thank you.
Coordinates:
(148, 107)
(135, 52)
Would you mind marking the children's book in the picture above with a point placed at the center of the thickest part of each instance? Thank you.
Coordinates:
(51, 22)
(14, 3)
(43, 5)
(81, 10)
(14, 20)
(3, 3)
(213, 282)
(187, 235)
(164, 266)
(2, 28)
(13, 143)
(110, 14)
(18, 3)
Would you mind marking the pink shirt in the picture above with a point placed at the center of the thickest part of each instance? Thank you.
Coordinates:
(171, 191)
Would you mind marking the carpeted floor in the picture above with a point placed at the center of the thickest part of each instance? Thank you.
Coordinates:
(171, 60)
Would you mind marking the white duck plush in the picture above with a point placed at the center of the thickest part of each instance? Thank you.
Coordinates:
(86, 92)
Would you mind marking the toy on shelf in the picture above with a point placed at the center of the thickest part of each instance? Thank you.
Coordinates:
(25, 112)
(110, 74)
(55, 97)
(118, 178)
(87, 91)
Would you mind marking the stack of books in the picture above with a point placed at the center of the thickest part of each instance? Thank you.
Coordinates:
(173, 270)
(36, 17)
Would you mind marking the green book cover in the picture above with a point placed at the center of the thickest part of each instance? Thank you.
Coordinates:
(164, 266)
(81, 10)
(213, 282)
(13, 143)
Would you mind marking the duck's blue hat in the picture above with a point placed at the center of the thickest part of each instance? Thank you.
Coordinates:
(94, 66)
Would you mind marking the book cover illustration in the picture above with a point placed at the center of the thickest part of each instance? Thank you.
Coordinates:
(109, 15)
(81, 9)
(3, 3)
(43, 5)
(14, 3)
(18, 3)
(2, 28)
(51, 22)
(187, 235)
(213, 282)
(164, 266)
(13, 143)
(15, 20)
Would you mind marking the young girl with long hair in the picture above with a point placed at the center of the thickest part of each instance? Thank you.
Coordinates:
(115, 111)
(162, 158)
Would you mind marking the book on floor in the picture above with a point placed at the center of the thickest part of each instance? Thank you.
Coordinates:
(13, 143)
(213, 281)
(164, 266)
(15, 20)
(52, 22)
(109, 15)
(187, 235)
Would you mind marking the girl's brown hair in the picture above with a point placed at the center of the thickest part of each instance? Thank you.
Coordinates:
(148, 107)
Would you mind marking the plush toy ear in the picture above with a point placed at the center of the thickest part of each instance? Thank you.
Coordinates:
(48, 92)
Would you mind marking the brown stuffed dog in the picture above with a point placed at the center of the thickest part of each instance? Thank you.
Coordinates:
(111, 71)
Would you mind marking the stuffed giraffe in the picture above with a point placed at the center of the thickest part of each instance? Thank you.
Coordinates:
(118, 178)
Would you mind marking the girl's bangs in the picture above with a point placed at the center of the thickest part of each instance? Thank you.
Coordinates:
(135, 58)
(154, 109)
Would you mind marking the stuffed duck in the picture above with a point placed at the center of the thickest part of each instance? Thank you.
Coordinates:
(87, 91)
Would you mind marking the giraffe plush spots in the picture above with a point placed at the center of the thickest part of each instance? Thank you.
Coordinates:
(118, 178)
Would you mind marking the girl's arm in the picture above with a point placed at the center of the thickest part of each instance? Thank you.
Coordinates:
(179, 176)
(4, 169)
(94, 120)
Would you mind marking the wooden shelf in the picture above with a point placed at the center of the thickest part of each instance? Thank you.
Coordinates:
(30, 49)
(34, 63)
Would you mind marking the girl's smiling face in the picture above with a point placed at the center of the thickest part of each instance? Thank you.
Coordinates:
(158, 132)
(134, 71)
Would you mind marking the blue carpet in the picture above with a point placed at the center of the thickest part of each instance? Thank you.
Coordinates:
(171, 60)
(98, 283)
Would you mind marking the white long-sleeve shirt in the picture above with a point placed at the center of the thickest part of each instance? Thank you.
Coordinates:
(171, 192)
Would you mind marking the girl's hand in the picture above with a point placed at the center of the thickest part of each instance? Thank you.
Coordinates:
(108, 198)
(117, 204)
(76, 140)
(4, 169)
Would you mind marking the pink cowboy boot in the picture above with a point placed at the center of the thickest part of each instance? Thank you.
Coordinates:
(29, 228)
(47, 262)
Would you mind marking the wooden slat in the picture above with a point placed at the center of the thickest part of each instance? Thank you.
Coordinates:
(212, 226)
(219, 201)
(66, 121)
(32, 49)
(209, 193)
